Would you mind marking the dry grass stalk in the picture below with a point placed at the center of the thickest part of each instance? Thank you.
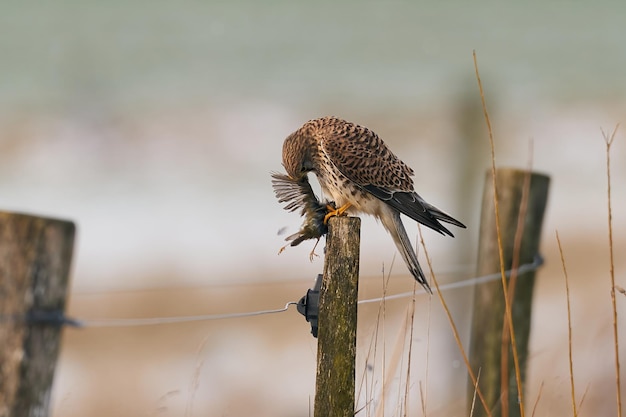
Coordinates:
(455, 331)
(609, 141)
(474, 396)
(371, 356)
(537, 400)
(507, 304)
(517, 245)
(408, 365)
(569, 328)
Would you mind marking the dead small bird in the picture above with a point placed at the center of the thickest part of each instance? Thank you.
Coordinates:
(298, 194)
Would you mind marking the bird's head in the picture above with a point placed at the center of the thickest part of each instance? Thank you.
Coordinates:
(297, 156)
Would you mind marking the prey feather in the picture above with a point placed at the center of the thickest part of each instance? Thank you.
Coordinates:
(298, 194)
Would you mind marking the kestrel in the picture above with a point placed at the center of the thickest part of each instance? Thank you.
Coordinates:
(360, 174)
(298, 194)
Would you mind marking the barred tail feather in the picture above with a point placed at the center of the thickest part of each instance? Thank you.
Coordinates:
(392, 222)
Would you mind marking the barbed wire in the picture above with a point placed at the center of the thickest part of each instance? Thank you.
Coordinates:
(57, 318)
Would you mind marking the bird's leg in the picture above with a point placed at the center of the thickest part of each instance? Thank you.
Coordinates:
(313, 254)
(332, 211)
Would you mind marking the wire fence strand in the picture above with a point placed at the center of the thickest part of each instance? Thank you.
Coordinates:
(59, 319)
(536, 263)
(150, 321)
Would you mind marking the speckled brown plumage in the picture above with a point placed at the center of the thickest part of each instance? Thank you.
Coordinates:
(357, 170)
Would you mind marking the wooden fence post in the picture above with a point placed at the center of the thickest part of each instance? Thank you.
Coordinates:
(35, 257)
(336, 337)
(489, 306)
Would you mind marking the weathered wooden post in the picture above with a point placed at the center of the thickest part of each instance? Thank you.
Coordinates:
(336, 337)
(489, 304)
(35, 257)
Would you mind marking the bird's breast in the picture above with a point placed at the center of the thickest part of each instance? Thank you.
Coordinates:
(341, 190)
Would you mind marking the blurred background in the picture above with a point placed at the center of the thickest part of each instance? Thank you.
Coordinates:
(154, 126)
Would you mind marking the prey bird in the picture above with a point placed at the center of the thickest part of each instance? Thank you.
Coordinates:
(298, 194)
(360, 174)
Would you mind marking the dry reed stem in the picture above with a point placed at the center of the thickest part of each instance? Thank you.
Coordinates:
(517, 244)
(408, 365)
(364, 379)
(507, 304)
(455, 331)
(609, 141)
(537, 400)
(384, 365)
(161, 402)
(474, 396)
(369, 389)
(194, 384)
(395, 363)
(422, 399)
(369, 382)
(582, 399)
(424, 389)
(426, 372)
(569, 326)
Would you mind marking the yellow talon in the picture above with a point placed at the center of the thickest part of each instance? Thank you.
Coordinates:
(335, 212)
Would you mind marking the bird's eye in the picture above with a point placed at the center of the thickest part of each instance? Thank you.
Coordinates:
(306, 166)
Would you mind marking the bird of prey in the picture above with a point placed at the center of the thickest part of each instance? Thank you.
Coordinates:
(298, 194)
(360, 174)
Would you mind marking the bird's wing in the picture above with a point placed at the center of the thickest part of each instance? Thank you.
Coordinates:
(362, 156)
(297, 194)
(414, 206)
